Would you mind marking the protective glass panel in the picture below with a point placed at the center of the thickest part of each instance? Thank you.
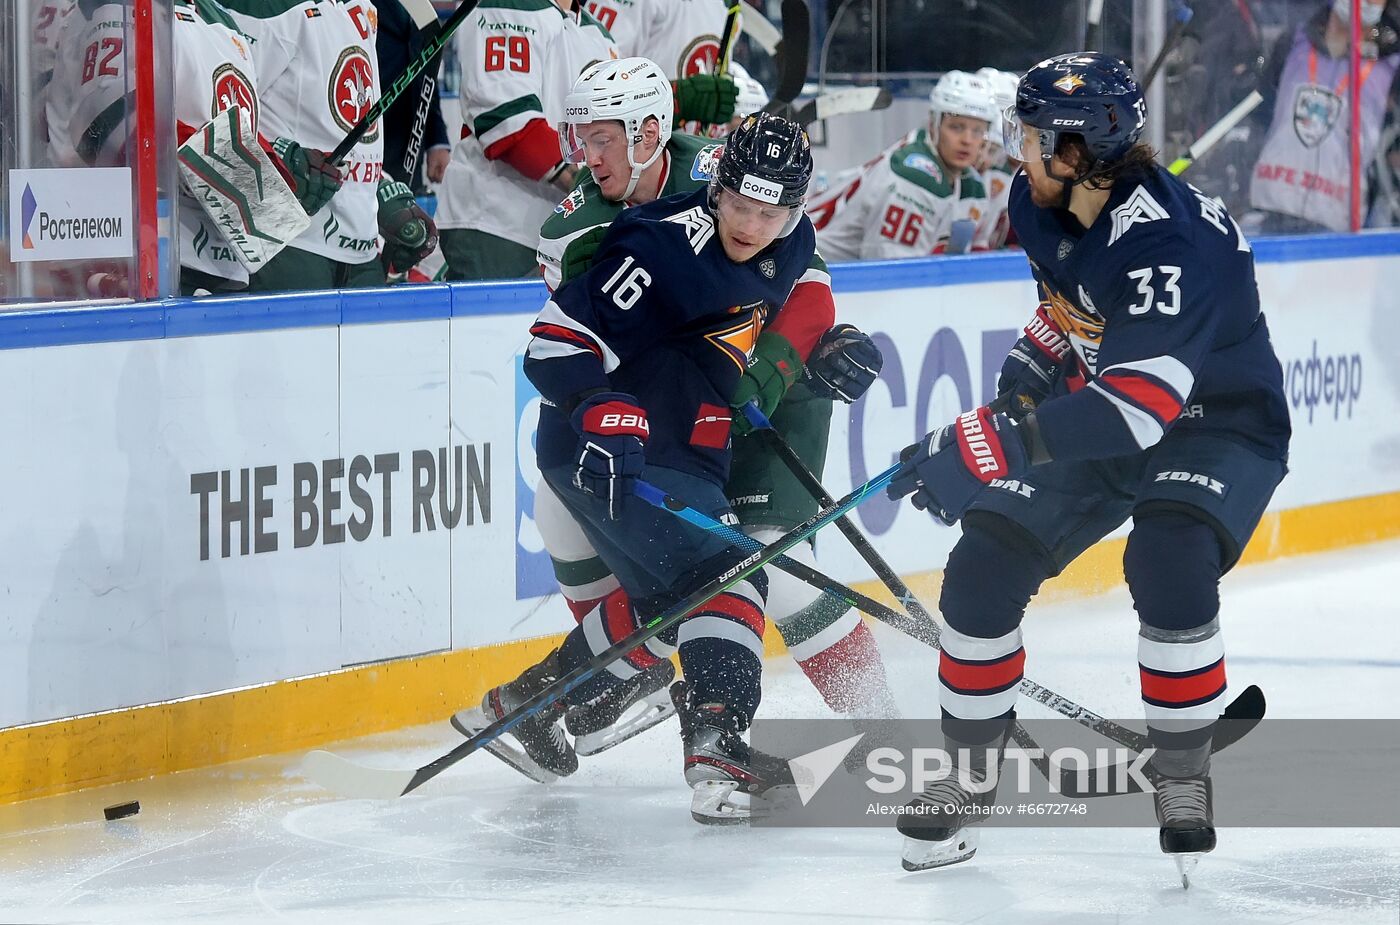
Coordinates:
(85, 151)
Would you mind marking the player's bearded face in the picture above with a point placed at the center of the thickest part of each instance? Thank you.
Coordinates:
(960, 140)
(1048, 181)
(747, 226)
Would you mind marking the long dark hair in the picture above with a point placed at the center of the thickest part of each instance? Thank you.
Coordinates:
(1137, 163)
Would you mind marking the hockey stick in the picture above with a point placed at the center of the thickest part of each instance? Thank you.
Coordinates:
(795, 52)
(758, 28)
(340, 775)
(425, 18)
(843, 102)
(1182, 13)
(1244, 712)
(726, 39)
(1217, 131)
(401, 83)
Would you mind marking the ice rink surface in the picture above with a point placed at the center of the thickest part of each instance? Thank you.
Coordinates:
(254, 842)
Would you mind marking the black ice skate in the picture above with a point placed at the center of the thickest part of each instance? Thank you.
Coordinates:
(1186, 816)
(727, 776)
(623, 711)
(939, 825)
(536, 746)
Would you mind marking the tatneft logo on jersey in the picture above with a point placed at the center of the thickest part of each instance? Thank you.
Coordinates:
(232, 88)
(71, 213)
(351, 91)
(759, 188)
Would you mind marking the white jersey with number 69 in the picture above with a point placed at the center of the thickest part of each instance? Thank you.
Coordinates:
(519, 60)
(317, 76)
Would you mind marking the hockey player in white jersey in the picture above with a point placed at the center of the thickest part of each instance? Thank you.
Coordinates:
(995, 166)
(518, 58)
(55, 97)
(683, 37)
(318, 75)
(926, 196)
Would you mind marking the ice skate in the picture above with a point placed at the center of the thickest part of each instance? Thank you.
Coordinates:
(536, 746)
(939, 824)
(1185, 814)
(730, 779)
(623, 711)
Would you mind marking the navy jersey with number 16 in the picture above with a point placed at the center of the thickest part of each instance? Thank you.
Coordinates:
(664, 315)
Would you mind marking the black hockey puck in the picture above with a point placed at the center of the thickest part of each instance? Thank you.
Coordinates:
(121, 810)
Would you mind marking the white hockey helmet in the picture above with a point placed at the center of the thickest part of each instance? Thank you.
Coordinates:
(1003, 86)
(626, 90)
(959, 93)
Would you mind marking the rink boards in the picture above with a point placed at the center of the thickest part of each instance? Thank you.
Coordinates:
(215, 496)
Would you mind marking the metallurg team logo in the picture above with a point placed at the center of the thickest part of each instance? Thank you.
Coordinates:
(351, 91)
(737, 340)
(1315, 112)
(1069, 83)
(232, 88)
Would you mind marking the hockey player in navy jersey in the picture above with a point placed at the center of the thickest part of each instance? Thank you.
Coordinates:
(1145, 387)
(636, 361)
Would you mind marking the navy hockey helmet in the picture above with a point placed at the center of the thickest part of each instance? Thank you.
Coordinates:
(1087, 93)
(767, 158)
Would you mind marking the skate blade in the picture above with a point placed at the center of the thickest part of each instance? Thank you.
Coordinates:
(928, 855)
(638, 718)
(470, 722)
(720, 802)
(1185, 864)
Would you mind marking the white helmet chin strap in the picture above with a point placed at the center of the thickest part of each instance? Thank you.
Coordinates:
(638, 169)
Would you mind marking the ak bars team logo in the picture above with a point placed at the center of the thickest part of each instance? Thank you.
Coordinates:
(232, 88)
(351, 92)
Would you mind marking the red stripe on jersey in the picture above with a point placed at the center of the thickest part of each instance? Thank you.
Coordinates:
(580, 609)
(808, 313)
(618, 623)
(533, 150)
(741, 609)
(712, 425)
(1161, 402)
(1182, 687)
(567, 335)
(975, 677)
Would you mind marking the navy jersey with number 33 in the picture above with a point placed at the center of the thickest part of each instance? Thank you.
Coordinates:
(1159, 301)
(663, 315)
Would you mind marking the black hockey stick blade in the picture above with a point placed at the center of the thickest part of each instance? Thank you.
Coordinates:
(1238, 720)
(792, 56)
(726, 40)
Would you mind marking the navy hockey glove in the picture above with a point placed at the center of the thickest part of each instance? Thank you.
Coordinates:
(845, 364)
(947, 470)
(612, 431)
(314, 178)
(1033, 365)
(775, 368)
(409, 233)
(705, 98)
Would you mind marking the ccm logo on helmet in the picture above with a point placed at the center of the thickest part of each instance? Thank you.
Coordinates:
(759, 188)
(1068, 122)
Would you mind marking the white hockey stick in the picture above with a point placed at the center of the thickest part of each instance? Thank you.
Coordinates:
(756, 27)
(842, 103)
(345, 777)
(1217, 131)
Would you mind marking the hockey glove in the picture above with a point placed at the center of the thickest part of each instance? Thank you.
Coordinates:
(314, 178)
(409, 234)
(775, 367)
(844, 365)
(612, 431)
(947, 470)
(707, 98)
(578, 253)
(1033, 365)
